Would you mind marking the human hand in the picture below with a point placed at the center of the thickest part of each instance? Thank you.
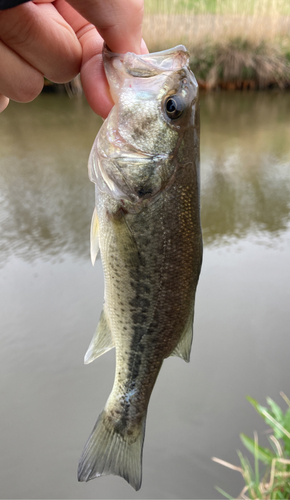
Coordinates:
(119, 23)
(48, 39)
(35, 41)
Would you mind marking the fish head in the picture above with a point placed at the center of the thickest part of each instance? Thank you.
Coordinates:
(156, 101)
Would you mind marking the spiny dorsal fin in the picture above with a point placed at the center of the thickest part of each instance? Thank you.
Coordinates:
(94, 236)
(101, 342)
(183, 348)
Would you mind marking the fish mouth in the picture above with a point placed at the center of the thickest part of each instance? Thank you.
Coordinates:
(119, 67)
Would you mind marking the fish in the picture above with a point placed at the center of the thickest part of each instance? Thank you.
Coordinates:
(145, 165)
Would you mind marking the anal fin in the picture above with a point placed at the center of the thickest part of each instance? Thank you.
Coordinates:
(101, 342)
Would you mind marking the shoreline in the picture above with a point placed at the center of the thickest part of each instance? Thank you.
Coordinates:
(232, 52)
(227, 51)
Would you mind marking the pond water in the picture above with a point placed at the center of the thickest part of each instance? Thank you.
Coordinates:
(51, 298)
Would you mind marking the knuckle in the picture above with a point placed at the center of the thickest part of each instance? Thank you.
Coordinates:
(16, 29)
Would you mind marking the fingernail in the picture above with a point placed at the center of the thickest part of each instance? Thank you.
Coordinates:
(4, 101)
(144, 49)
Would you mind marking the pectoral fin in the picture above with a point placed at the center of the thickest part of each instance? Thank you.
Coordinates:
(127, 245)
(94, 236)
(183, 348)
(101, 342)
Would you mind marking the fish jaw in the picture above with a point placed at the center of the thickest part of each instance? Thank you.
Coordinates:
(119, 67)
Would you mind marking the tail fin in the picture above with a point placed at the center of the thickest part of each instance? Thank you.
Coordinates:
(109, 452)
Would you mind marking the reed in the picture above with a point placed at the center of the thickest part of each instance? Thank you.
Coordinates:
(231, 42)
(245, 7)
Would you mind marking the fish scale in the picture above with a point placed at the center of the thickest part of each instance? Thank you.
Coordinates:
(150, 243)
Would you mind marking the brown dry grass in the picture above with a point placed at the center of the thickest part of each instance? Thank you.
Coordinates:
(227, 44)
(161, 30)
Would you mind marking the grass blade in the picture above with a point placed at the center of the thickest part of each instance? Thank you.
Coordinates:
(263, 454)
(268, 418)
(222, 492)
(278, 414)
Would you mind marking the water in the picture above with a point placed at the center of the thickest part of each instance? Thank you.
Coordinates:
(51, 298)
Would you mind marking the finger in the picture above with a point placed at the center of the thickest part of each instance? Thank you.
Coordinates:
(18, 80)
(119, 22)
(39, 34)
(95, 83)
(4, 101)
(93, 77)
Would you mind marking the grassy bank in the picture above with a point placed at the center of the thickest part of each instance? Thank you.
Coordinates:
(233, 44)
(245, 7)
(273, 480)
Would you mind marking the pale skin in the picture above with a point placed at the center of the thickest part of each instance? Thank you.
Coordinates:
(59, 39)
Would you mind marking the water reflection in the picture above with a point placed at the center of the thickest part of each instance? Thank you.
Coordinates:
(50, 309)
(245, 166)
(47, 199)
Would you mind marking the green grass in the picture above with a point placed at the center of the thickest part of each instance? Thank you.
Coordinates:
(269, 477)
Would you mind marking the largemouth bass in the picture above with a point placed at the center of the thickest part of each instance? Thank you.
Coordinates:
(146, 224)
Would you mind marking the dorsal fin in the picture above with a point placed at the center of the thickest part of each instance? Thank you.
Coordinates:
(183, 348)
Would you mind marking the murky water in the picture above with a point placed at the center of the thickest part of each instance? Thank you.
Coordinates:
(51, 298)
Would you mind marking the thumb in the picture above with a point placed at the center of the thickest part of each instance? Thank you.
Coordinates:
(119, 22)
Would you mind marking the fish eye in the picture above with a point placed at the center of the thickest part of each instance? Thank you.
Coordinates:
(174, 106)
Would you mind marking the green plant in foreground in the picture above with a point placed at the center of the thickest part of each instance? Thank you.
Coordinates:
(275, 481)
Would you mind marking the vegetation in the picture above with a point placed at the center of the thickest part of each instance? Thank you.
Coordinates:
(247, 7)
(274, 482)
(233, 44)
(242, 64)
